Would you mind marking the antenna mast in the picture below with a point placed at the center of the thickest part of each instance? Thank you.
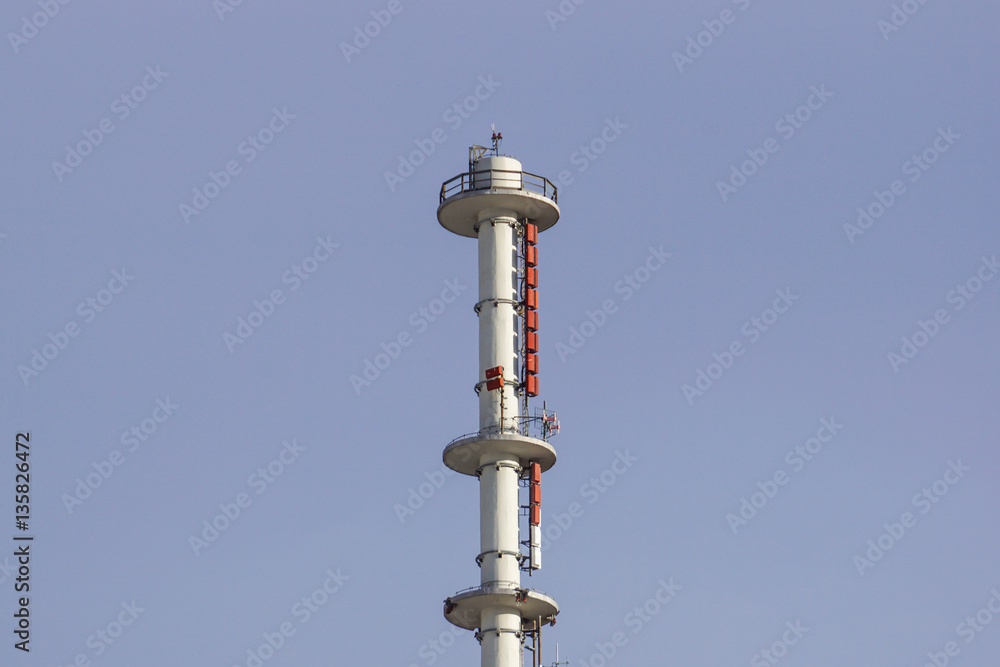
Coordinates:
(504, 208)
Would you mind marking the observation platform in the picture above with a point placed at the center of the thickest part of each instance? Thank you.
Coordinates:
(496, 183)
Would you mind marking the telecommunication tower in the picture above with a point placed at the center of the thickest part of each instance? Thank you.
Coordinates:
(504, 208)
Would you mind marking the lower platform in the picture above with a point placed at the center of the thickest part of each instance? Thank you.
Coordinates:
(465, 609)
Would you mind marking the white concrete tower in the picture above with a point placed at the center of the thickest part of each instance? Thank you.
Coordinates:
(504, 208)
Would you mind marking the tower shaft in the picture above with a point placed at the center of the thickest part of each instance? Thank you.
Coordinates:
(497, 314)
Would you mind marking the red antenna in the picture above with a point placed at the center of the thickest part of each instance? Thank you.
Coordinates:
(494, 378)
(529, 305)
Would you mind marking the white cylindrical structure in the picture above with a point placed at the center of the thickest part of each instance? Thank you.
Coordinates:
(498, 517)
(498, 501)
(497, 314)
(500, 569)
(501, 635)
(496, 171)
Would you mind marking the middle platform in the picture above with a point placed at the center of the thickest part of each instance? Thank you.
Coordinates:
(465, 454)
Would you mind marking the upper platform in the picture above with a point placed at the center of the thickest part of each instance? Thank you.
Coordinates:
(496, 182)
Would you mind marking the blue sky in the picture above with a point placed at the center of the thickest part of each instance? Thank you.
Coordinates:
(212, 219)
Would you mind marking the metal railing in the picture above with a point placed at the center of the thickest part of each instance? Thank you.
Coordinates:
(497, 178)
(533, 427)
(496, 583)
